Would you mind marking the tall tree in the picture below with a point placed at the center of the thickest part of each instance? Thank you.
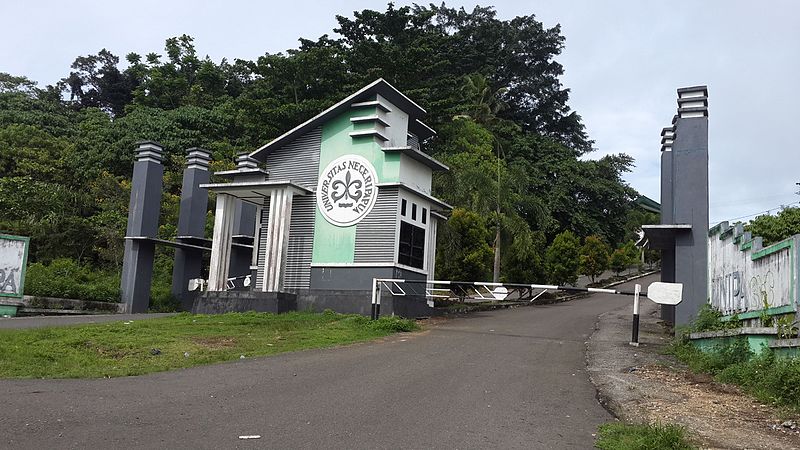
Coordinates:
(97, 82)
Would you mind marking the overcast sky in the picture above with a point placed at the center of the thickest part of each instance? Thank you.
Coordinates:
(623, 61)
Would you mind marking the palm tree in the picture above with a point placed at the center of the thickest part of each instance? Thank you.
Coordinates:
(482, 104)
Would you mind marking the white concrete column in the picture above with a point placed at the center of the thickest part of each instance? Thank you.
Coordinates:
(256, 240)
(221, 243)
(431, 250)
(277, 245)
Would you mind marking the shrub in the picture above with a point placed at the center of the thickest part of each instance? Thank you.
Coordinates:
(393, 324)
(563, 258)
(619, 261)
(66, 278)
(710, 319)
(594, 257)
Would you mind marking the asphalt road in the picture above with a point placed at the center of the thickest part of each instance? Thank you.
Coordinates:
(502, 379)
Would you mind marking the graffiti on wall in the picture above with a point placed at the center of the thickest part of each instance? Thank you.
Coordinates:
(744, 277)
(13, 260)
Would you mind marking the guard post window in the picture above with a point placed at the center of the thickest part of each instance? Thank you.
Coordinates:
(411, 251)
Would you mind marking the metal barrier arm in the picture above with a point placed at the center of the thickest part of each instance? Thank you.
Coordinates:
(394, 283)
(533, 299)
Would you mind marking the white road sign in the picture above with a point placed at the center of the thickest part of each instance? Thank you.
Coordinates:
(665, 293)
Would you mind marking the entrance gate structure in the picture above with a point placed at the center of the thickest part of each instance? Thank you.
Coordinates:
(682, 234)
(309, 219)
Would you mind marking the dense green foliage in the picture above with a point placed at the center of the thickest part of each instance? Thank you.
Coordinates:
(491, 88)
(64, 278)
(143, 346)
(776, 228)
(623, 436)
(464, 252)
(594, 257)
(563, 258)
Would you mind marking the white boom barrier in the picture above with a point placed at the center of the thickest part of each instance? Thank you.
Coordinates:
(663, 293)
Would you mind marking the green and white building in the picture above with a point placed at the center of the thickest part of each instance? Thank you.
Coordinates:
(341, 199)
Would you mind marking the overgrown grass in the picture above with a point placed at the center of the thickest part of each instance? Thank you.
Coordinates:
(65, 278)
(185, 340)
(769, 379)
(622, 436)
(710, 319)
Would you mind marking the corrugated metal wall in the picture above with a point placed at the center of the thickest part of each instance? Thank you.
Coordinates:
(301, 241)
(297, 161)
(262, 245)
(375, 234)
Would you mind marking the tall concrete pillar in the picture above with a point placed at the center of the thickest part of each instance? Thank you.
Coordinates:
(690, 200)
(277, 245)
(668, 254)
(191, 225)
(143, 213)
(433, 223)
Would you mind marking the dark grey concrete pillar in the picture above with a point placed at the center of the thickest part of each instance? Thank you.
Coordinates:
(690, 200)
(191, 225)
(667, 255)
(143, 213)
(244, 221)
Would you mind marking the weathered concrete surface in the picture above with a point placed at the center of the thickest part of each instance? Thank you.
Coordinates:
(499, 379)
(641, 384)
(610, 357)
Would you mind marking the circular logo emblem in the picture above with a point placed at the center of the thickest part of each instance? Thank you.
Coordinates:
(347, 190)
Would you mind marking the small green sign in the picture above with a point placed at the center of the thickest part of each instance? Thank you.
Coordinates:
(13, 263)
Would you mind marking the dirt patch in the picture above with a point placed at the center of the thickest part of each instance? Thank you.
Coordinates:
(215, 342)
(106, 351)
(643, 384)
(720, 413)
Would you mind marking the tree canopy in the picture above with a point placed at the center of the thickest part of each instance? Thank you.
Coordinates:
(776, 228)
(492, 89)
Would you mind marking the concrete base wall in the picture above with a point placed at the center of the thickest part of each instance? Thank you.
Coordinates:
(346, 302)
(358, 278)
(242, 301)
(757, 339)
(8, 311)
(316, 300)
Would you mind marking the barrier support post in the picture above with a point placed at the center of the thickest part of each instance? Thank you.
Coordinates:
(635, 332)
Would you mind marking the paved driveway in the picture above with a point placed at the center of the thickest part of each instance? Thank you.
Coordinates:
(502, 379)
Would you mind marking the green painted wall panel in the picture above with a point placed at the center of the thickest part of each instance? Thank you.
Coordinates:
(757, 342)
(8, 310)
(333, 244)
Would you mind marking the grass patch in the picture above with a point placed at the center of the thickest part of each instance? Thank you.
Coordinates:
(622, 436)
(769, 379)
(138, 347)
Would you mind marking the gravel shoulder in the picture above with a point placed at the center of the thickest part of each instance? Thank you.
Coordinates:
(642, 384)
